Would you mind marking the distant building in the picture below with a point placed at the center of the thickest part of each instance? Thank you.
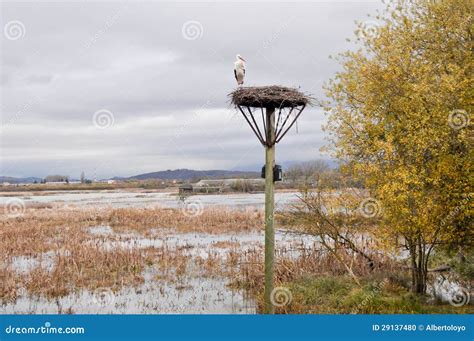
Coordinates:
(56, 179)
(186, 188)
(56, 182)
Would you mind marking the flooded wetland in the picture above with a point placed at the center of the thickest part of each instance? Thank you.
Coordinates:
(131, 252)
(152, 252)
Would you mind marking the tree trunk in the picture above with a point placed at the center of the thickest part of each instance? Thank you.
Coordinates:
(419, 268)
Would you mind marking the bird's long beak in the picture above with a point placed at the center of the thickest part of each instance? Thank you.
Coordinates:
(243, 59)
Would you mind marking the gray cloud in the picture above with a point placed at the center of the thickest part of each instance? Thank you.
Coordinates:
(168, 94)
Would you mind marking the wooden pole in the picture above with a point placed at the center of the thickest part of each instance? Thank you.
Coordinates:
(269, 207)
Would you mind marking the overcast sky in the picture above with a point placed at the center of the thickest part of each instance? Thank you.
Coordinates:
(118, 89)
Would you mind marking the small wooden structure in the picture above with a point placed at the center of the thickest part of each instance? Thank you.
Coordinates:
(185, 188)
(282, 107)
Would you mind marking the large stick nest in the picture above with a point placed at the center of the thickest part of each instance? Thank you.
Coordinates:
(269, 97)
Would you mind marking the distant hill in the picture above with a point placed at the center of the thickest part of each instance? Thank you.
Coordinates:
(188, 174)
(176, 174)
(13, 180)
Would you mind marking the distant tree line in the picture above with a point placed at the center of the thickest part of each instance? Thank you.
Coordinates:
(309, 174)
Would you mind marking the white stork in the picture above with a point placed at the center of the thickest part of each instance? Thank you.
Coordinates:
(239, 69)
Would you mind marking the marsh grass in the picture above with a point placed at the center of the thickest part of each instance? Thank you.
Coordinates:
(88, 267)
(82, 260)
(320, 285)
(212, 220)
(291, 266)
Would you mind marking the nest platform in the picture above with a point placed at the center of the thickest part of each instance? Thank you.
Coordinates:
(269, 97)
(283, 107)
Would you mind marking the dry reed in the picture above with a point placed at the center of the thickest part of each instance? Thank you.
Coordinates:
(82, 260)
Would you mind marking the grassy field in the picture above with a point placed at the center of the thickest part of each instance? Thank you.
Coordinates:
(341, 295)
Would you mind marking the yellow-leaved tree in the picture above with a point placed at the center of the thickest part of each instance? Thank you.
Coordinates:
(399, 117)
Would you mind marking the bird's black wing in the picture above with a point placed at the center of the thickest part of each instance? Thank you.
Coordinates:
(235, 74)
